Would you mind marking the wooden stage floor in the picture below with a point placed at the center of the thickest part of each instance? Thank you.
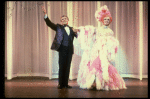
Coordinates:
(42, 87)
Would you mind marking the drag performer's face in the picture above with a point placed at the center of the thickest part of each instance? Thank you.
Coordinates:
(106, 21)
(64, 20)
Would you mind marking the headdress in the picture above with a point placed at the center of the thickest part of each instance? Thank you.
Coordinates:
(101, 13)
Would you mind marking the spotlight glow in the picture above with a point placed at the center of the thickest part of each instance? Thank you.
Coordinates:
(98, 7)
(141, 37)
(9, 42)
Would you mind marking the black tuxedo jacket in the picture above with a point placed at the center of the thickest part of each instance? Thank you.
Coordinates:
(59, 34)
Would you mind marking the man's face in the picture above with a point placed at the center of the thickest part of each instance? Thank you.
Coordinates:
(106, 21)
(64, 20)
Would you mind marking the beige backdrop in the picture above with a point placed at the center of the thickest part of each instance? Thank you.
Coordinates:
(28, 39)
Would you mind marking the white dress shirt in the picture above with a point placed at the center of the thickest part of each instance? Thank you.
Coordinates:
(66, 28)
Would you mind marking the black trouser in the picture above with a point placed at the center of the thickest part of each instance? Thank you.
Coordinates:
(65, 57)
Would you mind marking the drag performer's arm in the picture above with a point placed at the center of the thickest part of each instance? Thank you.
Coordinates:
(76, 31)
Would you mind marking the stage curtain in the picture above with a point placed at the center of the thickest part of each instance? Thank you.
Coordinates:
(28, 39)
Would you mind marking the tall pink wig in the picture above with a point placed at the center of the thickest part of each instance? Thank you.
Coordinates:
(101, 13)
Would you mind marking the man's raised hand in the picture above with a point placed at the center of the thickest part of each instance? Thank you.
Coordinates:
(43, 9)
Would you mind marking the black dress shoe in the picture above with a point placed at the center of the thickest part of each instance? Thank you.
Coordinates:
(68, 86)
(92, 88)
(60, 87)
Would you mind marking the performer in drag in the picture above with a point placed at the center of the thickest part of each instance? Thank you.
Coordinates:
(96, 68)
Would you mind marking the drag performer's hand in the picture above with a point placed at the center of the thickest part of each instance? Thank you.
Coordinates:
(44, 10)
(76, 30)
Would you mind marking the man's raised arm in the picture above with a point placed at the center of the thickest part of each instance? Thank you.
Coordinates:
(47, 20)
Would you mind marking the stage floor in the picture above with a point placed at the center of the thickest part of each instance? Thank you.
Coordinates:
(42, 87)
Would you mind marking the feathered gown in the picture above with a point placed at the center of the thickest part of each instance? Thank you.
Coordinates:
(96, 59)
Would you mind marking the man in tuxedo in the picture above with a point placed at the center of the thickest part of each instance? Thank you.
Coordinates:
(63, 43)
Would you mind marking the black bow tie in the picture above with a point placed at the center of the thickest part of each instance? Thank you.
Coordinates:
(65, 25)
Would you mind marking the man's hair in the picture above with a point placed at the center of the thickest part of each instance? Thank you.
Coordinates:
(63, 16)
